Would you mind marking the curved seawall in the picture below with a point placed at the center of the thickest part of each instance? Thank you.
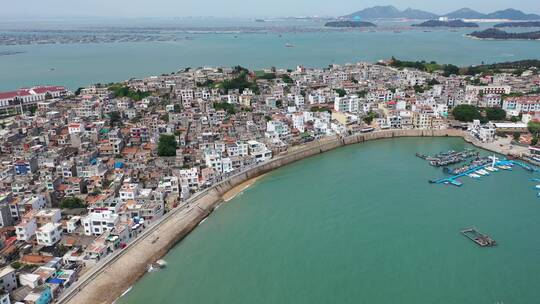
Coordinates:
(122, 269)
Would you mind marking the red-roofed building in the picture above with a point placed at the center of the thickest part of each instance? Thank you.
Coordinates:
(29, 96)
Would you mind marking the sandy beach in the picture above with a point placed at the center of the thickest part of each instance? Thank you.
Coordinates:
(229, 195)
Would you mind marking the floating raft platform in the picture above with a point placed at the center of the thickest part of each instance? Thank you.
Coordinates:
(479, 238)
(453, 179)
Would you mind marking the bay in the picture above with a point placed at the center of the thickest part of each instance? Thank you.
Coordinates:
(360, 224)
(76, 65)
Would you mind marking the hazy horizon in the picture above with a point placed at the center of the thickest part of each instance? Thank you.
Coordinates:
(234, 8)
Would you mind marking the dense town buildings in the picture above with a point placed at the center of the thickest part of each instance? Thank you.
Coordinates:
(82, 174)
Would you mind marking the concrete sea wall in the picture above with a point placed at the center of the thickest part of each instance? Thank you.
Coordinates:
(122, 269)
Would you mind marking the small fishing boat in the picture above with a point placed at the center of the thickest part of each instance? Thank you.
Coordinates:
(492, 169)
(474, 175)
(159, 264)
(482, 172)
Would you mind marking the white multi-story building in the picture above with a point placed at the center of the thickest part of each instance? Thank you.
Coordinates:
(8, 280)
(485, 90)
(45, 216)
(347, 104)
(26, 229)
(29, 96)
(522, 104)
(490, 101)
(279, 128)
(298, 122)
(4, 298)
(213, 160)
(95, 223)
(21, 207)
(259, 151)
(189, 178)
(169, 184)
(237, 149)
(129, 191)
(49, 234)
(227, 165)
(299, 101)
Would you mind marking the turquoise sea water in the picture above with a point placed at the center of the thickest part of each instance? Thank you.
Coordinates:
(360, 224)
(84, 64)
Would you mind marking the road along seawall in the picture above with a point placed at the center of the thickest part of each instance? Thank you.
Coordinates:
(117, 273)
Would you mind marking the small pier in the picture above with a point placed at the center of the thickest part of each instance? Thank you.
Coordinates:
(503, 164)
(479, 238)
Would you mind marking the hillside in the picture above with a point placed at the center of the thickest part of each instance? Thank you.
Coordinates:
(451, 23)
(518, 24)
(391, 12)
(466, 13)
(493, 33)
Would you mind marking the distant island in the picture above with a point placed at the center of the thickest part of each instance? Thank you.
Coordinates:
(518, 24)
(449, 23)
(494, 33)
(391, 12)
(7, 53)
(349, 24)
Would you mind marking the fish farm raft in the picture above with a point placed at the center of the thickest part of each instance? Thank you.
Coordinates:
(479, 238)
(448, 158)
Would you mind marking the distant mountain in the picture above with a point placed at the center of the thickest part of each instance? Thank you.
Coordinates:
(390, 12)
(450, 23)
(466, 13)
(513, 14)
(410, 13)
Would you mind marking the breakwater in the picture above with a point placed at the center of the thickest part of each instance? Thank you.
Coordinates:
(118, 272)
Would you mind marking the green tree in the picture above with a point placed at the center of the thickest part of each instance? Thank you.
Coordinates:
(433, 82)
(78, 91)
(287, 79)
(466, 113)
(119, 90)
(225, 106)
(115, 119)
(72, 203)
(450, 69)
(516, 136)
(341, 92)
(167, 145)
(534, 141)
(267, 76)
(495, 114)
(369, 117)
(534, 127)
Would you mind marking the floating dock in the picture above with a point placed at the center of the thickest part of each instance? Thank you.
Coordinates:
(479, 238)
(506, 164)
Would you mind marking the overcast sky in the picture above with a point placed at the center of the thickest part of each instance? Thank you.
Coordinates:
(237, 8)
